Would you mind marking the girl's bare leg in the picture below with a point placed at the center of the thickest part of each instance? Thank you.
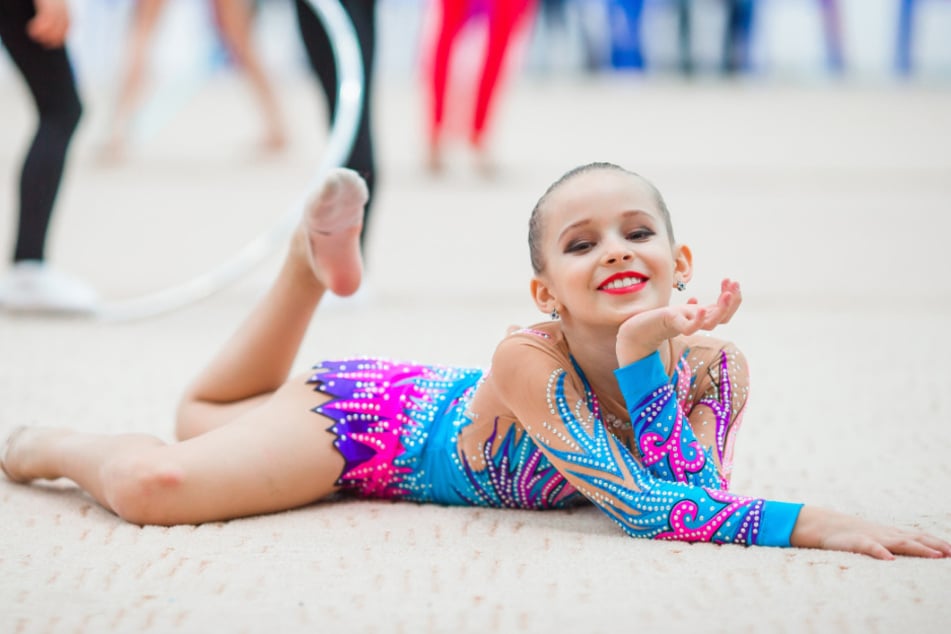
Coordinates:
(324, 254)
(234, 21)
(275, 453)
(275, 457)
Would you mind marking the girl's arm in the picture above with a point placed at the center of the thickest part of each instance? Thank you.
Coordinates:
(669, 446)
(561, 416)
(638, 340)
(684, 428)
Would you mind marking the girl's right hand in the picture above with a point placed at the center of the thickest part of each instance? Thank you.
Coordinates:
(642, 334)
(830, 530)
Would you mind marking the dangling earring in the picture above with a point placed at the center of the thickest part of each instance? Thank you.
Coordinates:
(554, 314)
(680, 286)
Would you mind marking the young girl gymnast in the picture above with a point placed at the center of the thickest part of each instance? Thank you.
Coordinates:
(617, 400)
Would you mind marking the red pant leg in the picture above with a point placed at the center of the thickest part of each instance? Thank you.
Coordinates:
(505, 16)
(454, 16)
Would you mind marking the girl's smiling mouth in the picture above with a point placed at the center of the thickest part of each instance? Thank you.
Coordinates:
(621, 283)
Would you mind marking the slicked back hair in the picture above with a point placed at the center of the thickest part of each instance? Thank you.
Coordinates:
(535, 221)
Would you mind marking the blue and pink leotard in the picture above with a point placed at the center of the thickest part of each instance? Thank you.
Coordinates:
(654, 452)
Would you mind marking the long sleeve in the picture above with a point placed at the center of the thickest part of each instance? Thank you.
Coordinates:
(558, 410)
(668, 446)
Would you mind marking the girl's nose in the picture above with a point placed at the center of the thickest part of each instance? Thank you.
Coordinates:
(618, 251)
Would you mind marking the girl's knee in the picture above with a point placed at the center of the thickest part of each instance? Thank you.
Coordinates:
(142, 488)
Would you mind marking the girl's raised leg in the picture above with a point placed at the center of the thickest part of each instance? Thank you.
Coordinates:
(275, 454)
(324, 254)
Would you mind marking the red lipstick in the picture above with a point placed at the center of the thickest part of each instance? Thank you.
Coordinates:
(634, 283)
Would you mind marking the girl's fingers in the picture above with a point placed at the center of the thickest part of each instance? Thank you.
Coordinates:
(908, 544)
(725, 301)
(914, 548)
(940, 547)
(713, 315)
(689, 319)
(877, 551)
(731, 309)
(735, 299)
(726, 286)
(716, 314)
(698, 320)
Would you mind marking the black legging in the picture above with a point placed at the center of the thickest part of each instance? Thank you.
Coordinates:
(49, 76)
(363, 15)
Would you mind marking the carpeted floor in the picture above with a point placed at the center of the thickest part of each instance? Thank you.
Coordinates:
(829, 202)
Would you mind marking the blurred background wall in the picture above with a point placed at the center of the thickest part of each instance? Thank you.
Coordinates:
(787, 38)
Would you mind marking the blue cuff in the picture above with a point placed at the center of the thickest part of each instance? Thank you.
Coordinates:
(640, 378)
(777, 523)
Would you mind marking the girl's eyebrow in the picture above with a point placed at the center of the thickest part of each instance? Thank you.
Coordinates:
(573, 225)
(584, 221)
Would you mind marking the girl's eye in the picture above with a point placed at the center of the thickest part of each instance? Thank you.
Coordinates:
(578, 246)
(640, 234)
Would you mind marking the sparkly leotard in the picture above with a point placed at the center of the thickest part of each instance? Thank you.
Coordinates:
(654, 452)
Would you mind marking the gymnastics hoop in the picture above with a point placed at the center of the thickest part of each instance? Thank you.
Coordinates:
(343, 130)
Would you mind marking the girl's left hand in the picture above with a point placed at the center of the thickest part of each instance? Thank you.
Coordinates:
(830, 530)
(642, 334)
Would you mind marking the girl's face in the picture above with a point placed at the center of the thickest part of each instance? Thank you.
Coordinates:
(606, 251)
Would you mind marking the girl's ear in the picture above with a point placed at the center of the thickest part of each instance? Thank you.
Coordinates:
(683, 263)
(542, 295)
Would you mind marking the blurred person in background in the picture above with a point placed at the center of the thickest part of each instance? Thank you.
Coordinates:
(504, 18)
(34, 32)
(233, 22)
(322, 60)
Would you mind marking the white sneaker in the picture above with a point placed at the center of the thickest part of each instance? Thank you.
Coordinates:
(31, 285)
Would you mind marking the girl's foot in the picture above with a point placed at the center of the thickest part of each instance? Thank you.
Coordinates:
(332, 223)
(18, 459)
